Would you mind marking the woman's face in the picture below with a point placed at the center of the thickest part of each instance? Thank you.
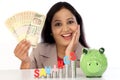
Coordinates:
(64, 25)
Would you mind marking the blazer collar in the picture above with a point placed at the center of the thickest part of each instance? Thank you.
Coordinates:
(50, 55)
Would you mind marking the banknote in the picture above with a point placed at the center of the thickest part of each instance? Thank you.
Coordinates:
(34, 29)
(26, 25)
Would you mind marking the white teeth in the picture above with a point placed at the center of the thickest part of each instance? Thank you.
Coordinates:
(66, 35)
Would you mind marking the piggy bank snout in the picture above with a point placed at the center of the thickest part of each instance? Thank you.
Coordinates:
(93, 66)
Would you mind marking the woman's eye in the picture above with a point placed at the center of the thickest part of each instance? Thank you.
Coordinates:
(70, 22)
(58, 24)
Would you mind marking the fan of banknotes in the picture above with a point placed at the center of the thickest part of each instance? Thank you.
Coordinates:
(26, 25)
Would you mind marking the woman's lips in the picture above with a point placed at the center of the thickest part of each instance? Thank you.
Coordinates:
(67, 36)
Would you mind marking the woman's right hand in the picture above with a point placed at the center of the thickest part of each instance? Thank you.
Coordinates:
(21, 51)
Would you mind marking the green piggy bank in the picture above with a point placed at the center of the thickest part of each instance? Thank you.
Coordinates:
(93, 62)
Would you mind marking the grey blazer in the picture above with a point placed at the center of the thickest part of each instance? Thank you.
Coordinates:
(46, 55)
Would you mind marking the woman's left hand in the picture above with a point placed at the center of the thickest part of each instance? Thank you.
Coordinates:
(73, 44)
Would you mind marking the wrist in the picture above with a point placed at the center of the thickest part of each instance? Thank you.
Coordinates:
(68, 52)
(27, 60)
(25, 65)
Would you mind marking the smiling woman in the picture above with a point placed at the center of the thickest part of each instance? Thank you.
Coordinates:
(62, 34)
(64, 25)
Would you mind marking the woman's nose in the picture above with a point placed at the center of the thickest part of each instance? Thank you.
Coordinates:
(65, 28)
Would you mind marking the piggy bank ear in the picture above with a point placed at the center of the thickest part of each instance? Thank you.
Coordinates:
(101, 50)
(85, 51)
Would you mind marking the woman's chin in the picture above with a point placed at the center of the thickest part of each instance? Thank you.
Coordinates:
(66, 43)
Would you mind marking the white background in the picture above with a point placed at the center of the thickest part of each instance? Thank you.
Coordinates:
(101, 22)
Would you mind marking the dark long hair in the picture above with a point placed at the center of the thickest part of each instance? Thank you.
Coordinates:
(46, 32)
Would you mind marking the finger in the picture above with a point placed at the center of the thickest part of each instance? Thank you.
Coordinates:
(78, 34)
(74, 37)
(24, 52)
(21, 47)
(18, 46)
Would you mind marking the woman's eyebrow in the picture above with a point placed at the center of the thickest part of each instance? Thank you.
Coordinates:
(70, 18)
(56, 20)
